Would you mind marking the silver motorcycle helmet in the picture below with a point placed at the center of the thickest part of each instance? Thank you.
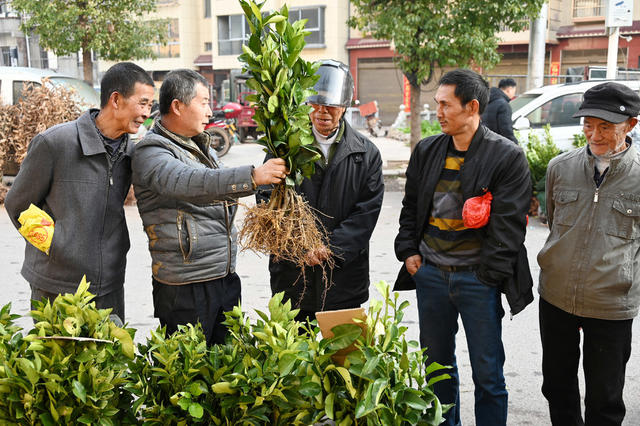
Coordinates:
(335, 86)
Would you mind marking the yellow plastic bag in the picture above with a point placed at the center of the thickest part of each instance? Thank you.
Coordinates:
(37, 227)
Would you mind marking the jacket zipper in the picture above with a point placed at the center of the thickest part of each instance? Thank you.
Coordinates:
(596, 197)
(226, 220)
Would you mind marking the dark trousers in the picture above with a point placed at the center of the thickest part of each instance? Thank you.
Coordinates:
(606, 348)
(204, 302)
(113, 300)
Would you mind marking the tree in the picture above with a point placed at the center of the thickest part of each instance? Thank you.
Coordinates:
(440, 33)
(114, 29)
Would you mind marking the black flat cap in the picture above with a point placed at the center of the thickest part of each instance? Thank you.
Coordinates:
(613, 102)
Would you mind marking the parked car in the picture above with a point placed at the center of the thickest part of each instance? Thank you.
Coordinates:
(554, 105)
(12, 81)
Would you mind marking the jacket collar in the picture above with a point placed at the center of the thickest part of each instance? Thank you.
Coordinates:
(618, 164)
(348, 144)
(90, 138)
(476, 142)
(199, 145)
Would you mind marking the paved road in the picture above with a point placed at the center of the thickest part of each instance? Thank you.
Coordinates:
(521, 334)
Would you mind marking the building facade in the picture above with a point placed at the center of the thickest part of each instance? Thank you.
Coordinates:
(207, 35)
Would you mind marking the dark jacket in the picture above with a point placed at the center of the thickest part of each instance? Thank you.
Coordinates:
(348, 196)
(66, 173)
(497, 114)
(187, 204)
(492, 163)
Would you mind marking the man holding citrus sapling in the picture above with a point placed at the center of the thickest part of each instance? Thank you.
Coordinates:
(188, 202)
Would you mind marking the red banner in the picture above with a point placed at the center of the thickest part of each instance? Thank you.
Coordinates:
(554, 69)
(406, 94)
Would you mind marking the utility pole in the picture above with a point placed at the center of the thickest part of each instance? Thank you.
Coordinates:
(617, 14)
(537, 42)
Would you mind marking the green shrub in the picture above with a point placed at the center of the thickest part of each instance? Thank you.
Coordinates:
(579, 140)
(76, 367)
(70, 369)
(539, 153)
(428, 128)
(171, 378)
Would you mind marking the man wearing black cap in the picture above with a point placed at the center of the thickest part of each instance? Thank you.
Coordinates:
(589, 275)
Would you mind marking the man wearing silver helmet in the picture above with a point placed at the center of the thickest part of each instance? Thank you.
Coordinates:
(589, 275)
(346, 190)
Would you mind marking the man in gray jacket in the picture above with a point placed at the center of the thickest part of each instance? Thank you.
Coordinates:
(589, 277)
(187, 203)
(80, 173)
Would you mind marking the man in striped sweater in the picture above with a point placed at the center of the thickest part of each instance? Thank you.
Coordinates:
(460, 263)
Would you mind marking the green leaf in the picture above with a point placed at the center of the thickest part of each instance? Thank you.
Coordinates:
(413, 401)
(195, 410)
(328, 405)
(434, 366)
(310, 389)
(273, 103)
(344, 336)
(79, 391)
(275, 19)
(370, 365)
(286, 364)
(437, 379)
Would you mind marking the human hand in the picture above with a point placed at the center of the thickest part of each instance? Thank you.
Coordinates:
(317, 255)
(272, 171)
(413, 263)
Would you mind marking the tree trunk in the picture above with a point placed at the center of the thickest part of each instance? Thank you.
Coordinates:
(416, 108)
(87, 65)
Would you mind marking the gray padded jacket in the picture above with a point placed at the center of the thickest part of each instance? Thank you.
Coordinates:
(187, 204)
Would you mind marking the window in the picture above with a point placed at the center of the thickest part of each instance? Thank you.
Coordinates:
(208, 46)
(557, 112)
(44, 58)
(315, 23)
(172, 48)
(233, 31)
(5, 59)
(207, 8)
(20, 87)
(588, 8)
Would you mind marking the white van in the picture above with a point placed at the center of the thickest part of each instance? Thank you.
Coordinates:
(554, 105)
(12, 81)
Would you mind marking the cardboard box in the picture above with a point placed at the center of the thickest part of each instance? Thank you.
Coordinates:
(329, 319)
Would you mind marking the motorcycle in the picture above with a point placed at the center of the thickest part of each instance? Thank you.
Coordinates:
(369, 112)
(222, 128)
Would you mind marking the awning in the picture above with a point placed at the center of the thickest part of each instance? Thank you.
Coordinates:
(203, 60)
(574, 31)
(366, 43)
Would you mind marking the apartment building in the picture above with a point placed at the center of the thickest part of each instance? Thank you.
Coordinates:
(207, 36)
(575, 38)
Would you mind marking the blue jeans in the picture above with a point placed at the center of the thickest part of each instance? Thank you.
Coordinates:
(441, 297)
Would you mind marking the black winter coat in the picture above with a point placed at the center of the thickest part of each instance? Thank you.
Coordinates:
(348, 194)
(492, 163)
(497, 114)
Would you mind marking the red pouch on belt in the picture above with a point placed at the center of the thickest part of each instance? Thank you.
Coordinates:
(476, 211)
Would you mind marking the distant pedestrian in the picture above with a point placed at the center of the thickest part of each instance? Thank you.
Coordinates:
(497, 115)
(461, 238)
(79, 173)
(589, 273)
(187, 202)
